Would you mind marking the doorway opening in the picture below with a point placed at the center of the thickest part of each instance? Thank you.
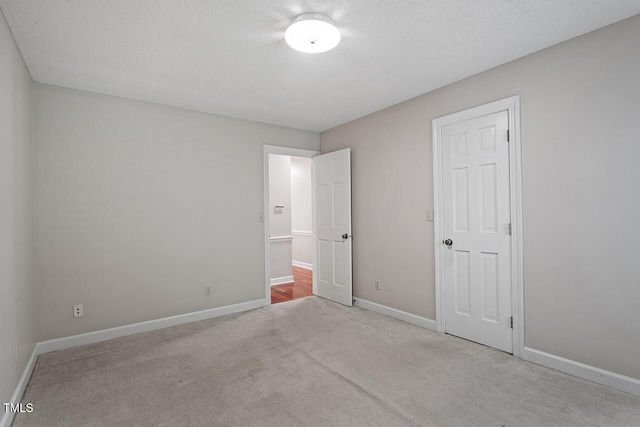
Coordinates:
(288, 223)
(330, 233)
(290, 227)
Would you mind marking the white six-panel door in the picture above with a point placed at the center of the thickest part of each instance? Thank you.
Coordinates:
(476, 217)
(332, 226)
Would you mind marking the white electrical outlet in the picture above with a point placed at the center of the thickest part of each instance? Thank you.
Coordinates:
(78, 310)
(207, 290)
(377, 285)
(17, 352)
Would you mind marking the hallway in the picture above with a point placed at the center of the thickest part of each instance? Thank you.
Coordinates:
(300, 288)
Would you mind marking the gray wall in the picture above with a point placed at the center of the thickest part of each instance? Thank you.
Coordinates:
(580, 108)
(139, 206)
(17, 320)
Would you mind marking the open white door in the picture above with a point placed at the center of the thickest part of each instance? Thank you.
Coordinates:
(332, 226)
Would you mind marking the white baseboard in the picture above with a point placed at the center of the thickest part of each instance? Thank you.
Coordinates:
(278, 239)
(281, 280)
(151, 325)
(423, 322)
(301, 264)
(7, 417)
(580, 370)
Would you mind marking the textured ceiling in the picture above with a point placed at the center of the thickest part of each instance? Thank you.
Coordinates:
(230, 58)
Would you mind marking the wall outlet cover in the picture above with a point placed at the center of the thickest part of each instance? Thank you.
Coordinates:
(78, 310)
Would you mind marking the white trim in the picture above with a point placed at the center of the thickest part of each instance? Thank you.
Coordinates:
(301, 233)
(517, 222)
(290, 151)
(512, 106)
(423, 322)
(580, 370)
(281, 239)
(285, 151)
(7, 417)
(314, 228)
(301, 264)
(150, 325)
(281, 280)
(437, 228)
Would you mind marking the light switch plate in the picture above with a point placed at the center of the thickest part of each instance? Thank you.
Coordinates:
(429, 215)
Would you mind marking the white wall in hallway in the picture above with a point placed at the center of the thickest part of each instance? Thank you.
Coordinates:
(301, 209)
(280, 222)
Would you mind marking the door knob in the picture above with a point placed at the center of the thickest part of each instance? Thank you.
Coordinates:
(345, 236)
(448, 242)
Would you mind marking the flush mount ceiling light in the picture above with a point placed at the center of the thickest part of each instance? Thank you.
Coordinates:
(312, 33)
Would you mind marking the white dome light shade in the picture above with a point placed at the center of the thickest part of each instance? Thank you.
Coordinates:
(312, 33)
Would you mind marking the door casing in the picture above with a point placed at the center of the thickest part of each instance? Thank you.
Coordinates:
(512, 106)
(285, 151)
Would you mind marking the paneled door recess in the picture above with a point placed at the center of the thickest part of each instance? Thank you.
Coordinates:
(476, 230)
(332, 226)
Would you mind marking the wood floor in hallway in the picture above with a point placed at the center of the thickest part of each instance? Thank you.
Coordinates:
(301, 287)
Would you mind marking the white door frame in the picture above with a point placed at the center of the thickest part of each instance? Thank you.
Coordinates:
(512, 106)
(285, 151)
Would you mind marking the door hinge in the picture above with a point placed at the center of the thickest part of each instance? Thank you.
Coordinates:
(507, 135)
(511, 322)
(510, 229)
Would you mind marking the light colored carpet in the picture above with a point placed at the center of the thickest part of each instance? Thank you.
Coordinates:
(309, 362)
